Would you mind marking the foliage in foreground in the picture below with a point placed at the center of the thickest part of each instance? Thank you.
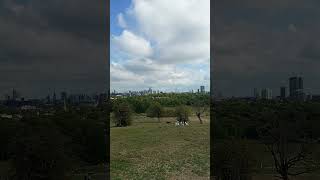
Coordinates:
(155, 110)
(182, 113)
(122, 114)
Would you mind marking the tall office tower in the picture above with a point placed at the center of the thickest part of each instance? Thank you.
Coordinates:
(256, 93)
(48, 99)
(266, 93)
(54, 98)
(296, 87)
(14, 94)
(283, 92)
(202, 89)
(63, 96)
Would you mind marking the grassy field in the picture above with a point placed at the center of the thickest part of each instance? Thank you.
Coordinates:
(152, 150)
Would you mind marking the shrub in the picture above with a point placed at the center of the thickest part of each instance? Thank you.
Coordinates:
(122, 114)
(168, 112)
(155, 110)
(231, 160)
(182, 114)
(38, 153)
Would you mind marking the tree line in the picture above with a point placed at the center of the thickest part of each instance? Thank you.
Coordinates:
(39, 147)
(165, 105)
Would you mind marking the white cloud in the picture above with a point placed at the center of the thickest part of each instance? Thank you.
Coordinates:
(181, 28)
(121, 21)
(180, 34)
(144, 73)
(133, 44)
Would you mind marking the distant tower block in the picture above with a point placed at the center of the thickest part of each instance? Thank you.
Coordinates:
(283, 92)
(266, 93)
(256, 93)
(202, 89)
(296, 87)
(65, 105)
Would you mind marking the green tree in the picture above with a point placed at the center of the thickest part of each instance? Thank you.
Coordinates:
(231, 160)
(38, 153)
(182, 114)
(122, 114)
(200, 105)
(155, 110)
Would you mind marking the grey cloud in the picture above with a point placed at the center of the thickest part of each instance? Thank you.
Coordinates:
(253, 46)
(53, 45)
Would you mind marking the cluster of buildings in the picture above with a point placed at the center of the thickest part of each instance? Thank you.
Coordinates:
(147, 92)
(51, 100)
(295, 91)
(135, 93)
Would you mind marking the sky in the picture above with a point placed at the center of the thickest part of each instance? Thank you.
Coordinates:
(261, 44)
(162, 44)
(48, 46)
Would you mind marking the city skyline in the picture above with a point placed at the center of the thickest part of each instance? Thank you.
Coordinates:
(260, 44)
(177, 90)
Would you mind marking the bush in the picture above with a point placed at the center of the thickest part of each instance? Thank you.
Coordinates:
(182, 114)
(122, 114)
(155, 110)
(231, 160)
(168, 112)
(38, 153)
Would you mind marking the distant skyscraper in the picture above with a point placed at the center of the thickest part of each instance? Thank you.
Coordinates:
(266, 93)
(14, 94)
(48, 99)
(202, 89)
(296, 87)
(256, 93)
(283, 91)
(63, 96)
(54, 98)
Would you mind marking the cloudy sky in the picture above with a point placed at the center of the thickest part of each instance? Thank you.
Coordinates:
(162, 44)
(47, 45)
(260, 43)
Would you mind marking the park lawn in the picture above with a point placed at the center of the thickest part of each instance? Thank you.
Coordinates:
(151, 150)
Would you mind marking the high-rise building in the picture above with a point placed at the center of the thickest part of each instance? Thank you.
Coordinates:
(266, 93)
(63, 96)
(283, 91)
(54, 98)
(256, 93)
(202, 89)
(296, 87)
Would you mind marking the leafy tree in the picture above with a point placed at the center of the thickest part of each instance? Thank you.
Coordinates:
(231, 160)
(38, 153)
(200, 104)
(182, 114)
(122, 114)
(155, 110)
(8, 128)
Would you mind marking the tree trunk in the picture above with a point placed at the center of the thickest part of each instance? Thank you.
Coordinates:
(199, 117)
(285, 177)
